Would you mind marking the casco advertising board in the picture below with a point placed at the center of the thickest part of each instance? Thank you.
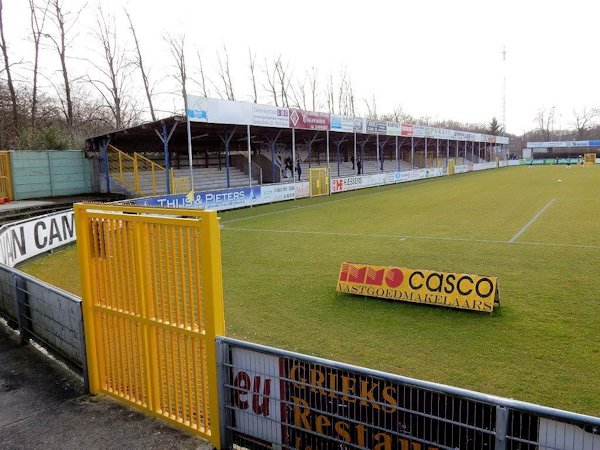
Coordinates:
(23, 240)
(454, 290)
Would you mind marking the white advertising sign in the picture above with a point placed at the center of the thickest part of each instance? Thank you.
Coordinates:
(278, 193)
(256, 395)
(270, 116)
(393, 129)
(341, 123)
(23, 240)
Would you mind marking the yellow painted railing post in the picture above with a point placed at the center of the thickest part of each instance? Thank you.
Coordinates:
(215, 320)
(121, 177)
(84, 244)
(136, 178)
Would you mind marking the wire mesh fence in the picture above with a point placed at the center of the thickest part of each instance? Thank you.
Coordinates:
(276, 399)
(45, 314)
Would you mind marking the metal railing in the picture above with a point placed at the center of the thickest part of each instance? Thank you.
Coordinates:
(272, 398)
(45, 314)
(137, 173)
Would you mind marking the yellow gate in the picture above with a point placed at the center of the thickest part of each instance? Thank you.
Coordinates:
(318, 179)
(6, 187)
(152, 305)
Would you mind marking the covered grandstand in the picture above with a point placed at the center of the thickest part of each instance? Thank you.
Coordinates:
(224, 144)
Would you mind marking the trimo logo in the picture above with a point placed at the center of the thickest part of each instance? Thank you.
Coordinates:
(392, 277)
(339, 185)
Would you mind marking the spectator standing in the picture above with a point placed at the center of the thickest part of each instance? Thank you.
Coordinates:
(299, 170)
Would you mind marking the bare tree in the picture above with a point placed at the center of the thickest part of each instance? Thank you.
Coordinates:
(313, 86)
(252, 66)
(37, 19)
(202, 82)
(64, 22)
(225, 73)
(330, 95)
(545, 120)
(114, 70)
(271, 74)
(177, 49)
(584, 120)
(285, 80)
(140, 64)
(299, 93)
(9, 80)
(371, 107)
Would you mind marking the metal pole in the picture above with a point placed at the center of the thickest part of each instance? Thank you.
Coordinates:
(377, 149)
(249, 156)
(354, 150)
(397, 160)
(167, 159)
(327, 135)
(227, 159)
(479, 151)
(437, 152)
(189, 138)
(412, 153)
(447, 151)
(426, 164)
(293, 154)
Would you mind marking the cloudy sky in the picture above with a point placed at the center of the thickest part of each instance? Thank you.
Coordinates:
(438, 59)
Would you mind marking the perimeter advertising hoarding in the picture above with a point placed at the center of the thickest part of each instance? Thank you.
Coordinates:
(393, 129)
(289, 402)
(454, 290)
(376, 127)
(341, 123)
(217, 200)
(270, 116)
(26, 239)
(308, 120)
(200, 109)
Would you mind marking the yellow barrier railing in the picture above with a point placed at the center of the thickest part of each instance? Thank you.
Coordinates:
(318, 179)
(6, 185)
(152, 307)
(180, 185)
(138, 173)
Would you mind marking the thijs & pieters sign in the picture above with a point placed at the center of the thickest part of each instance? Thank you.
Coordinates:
(454, 290)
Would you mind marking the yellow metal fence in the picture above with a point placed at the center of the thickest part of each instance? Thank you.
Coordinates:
(318, 179)
(6, 186)
(152, 305)
(142, 175)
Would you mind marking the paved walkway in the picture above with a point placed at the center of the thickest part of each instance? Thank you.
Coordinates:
(41, 407)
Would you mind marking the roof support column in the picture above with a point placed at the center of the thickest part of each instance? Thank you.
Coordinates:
(397, 160)
(426, 162)
(249, 156)
(226, 138)
(412, 153)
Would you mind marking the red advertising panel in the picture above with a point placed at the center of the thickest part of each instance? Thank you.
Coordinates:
(406, 130)
(309, 120)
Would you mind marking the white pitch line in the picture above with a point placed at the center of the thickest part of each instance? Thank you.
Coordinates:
(403, 237)
(533, 219)
(371, 192)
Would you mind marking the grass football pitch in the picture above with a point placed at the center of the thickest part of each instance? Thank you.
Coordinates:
(541, 237)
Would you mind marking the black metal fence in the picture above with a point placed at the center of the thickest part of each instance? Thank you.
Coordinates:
(276, 399)
(45, 314)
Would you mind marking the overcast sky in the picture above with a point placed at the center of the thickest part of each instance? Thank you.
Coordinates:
(441, 59)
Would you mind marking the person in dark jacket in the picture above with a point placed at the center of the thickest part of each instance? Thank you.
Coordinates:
(299, 169)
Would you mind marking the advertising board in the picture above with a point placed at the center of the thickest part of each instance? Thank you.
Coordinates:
(454, 290)
(23, 240)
